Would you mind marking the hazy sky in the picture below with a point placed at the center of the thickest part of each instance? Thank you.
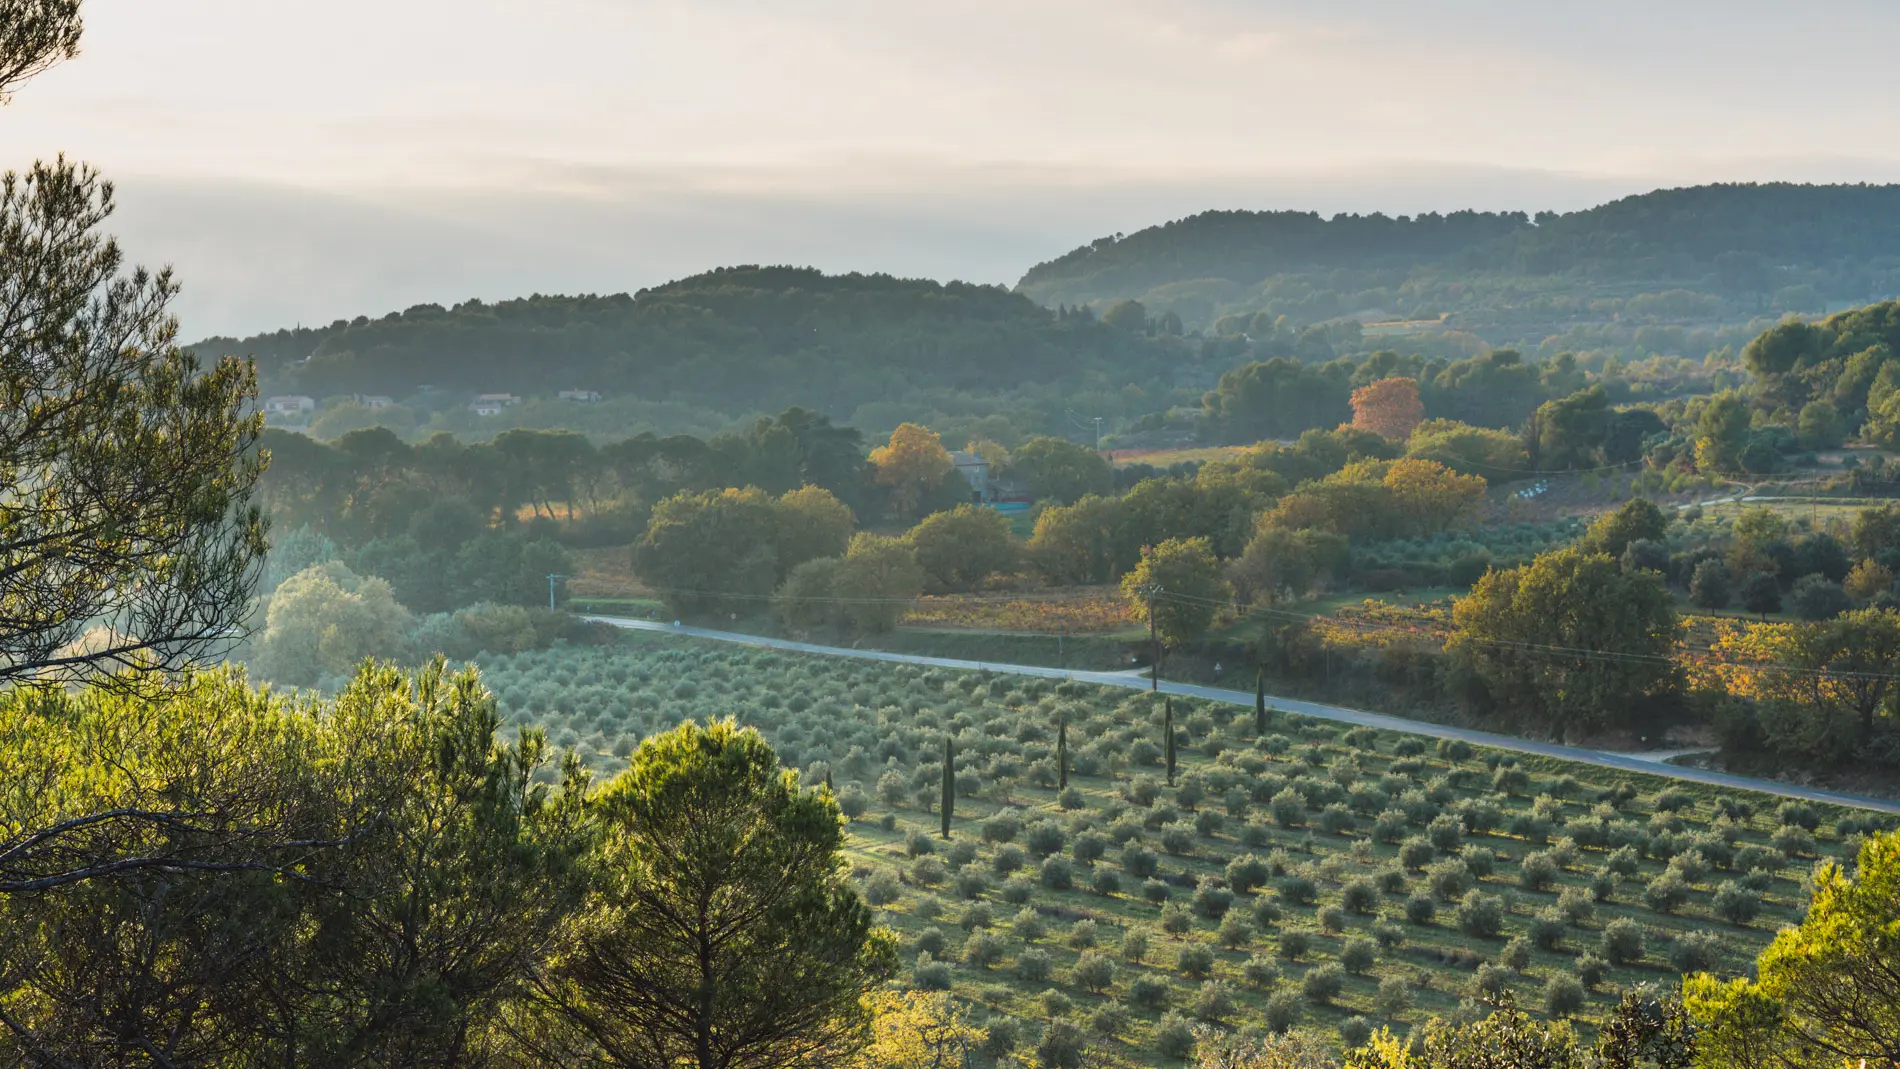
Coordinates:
(301, 160)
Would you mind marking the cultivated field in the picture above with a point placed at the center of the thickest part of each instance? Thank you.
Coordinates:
(1332, 878)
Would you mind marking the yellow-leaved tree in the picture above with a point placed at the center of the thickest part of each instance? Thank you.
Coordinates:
(1828, 991)
(918, 1030)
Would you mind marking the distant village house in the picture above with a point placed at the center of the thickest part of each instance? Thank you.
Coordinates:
(294, 405)
(586, 397)
(492, 404)
(976, 471)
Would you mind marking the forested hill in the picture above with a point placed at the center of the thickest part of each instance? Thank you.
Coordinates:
(1744, 244)
(1246, 247)
(735, 340)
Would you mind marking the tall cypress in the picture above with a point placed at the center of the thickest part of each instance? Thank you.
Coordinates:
(1167, 740)
(1062, 753)
(1260, 702)
(949, 785)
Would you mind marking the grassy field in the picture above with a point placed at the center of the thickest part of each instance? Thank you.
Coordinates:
(1162, 458)
(1315, 875)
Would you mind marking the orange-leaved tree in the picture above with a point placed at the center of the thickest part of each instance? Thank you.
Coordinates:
(1389, 408)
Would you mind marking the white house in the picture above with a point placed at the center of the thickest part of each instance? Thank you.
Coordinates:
(586, 397)
(375, 401)
(491, 404)
(290, 405)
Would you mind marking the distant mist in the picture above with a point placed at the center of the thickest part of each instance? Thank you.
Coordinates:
(257, 257)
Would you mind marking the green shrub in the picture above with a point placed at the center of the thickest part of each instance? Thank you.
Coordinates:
(1322, 984)
(1360, 895)
(1211, 900)
(982, 949)
(1516, 954)
(1491, 982)
(1736, 904)
(1666, 893)
(1260, 972)
(1591, 969)
(1174, 1037)
(1148, 992)
(1027, 925)
(1622, 941)
(881, 889)
(930, 974)
(1194, 960)
(1449, 880)
(1358, 955)
(1214, 1002)
(1694, 952)
(1547, 929)
(1537, 872)
(1394, 997)
(1094, 972)
(930, 941)
(1281, 1012)
(1563, 996)
(1234, 932)
(1299, 890)
(1481, 915)
(1062, 1046)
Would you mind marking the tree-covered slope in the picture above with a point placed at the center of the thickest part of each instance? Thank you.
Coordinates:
(1245, 247)
(1712, 254)
(735, 340)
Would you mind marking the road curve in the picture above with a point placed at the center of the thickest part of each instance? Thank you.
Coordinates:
(1340, 714)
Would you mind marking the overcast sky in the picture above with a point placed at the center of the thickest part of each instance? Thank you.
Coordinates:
(301, 160)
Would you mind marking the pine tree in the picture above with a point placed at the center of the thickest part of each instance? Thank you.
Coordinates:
(1062, 753)
(949, 785)
(1260, 702)
(1167, 740)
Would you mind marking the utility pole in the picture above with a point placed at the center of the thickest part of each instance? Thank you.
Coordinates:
(553, 579)
(1154, 636)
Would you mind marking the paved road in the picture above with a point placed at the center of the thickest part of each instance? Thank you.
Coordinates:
(1137, 680)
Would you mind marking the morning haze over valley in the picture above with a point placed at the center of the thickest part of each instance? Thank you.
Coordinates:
(640, 535)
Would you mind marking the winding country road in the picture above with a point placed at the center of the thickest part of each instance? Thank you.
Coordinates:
(1138, 680)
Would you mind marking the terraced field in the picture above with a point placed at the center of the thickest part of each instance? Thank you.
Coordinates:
(1305, 875)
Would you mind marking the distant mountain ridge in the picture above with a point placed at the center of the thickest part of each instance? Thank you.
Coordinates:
(1738, 242)
(1675, 272)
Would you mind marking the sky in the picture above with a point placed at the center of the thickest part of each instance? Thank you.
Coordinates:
(303, 160)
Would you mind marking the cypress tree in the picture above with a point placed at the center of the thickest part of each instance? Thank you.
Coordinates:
(949, 785)
(1167, 741)
(1062, 753)
(1260, 702)
(828, 787)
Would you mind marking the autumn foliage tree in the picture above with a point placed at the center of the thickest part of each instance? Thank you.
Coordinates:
(912, 465)
(1389, 408)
